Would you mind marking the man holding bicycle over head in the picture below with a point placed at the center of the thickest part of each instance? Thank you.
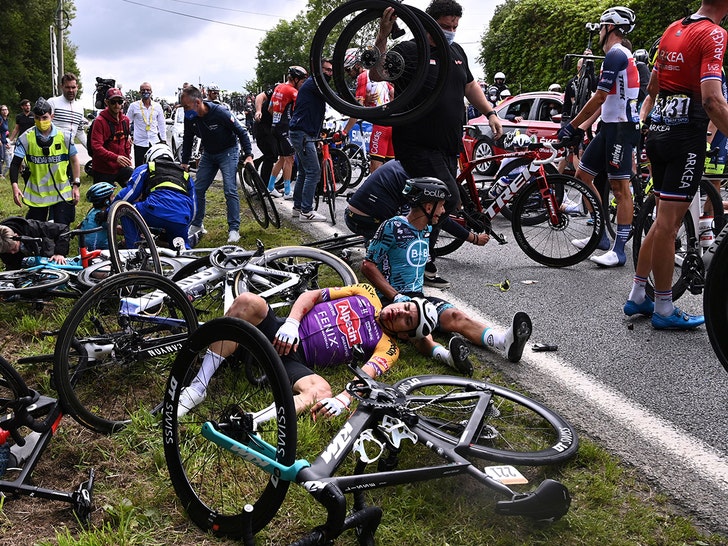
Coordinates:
(322, 330)
(395, 265)
(686, 92)
(612, 148)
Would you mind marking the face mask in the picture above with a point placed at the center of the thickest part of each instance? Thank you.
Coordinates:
(43, 125)
(190, 114)
(146, 95)
(449, 36)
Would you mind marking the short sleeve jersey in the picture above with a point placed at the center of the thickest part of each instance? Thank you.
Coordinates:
(376, 92)
(400, 252)
(282, 102)
(620, 79)
(346, 317)
(691, 52)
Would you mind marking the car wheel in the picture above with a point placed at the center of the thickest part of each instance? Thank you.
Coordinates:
(484, 148)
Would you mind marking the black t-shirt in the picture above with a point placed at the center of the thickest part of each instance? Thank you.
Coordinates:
(441, 128)
(24, 122)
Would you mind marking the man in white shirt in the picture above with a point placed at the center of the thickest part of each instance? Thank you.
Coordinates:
(147, 121)
(67, 111)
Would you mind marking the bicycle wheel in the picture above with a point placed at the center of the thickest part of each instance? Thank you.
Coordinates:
(328, 186)
(253, 180)
(550, 244)
(342, 169)
(28, 283)
(359, 164)
(511, 170)
(316, 269)
(131, 245)
(12, 389)
(515, 428)
(355, 25)
(689, 272)
(210, 304)
(115, 348)
(254, 197)
(214, 484)
(715, 302)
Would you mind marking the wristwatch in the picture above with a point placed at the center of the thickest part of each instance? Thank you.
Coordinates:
(77, 182)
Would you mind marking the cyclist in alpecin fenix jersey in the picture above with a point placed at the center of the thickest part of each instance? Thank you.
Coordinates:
(321, 331)
(684, 92)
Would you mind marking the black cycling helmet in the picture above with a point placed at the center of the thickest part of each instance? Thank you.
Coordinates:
(425, 190)
(654, 49)
(42, 107)
(641, 56)
(99, 193)
(297, 72)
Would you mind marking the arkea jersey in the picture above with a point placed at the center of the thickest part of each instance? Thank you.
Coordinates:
(620, 79)
(691, 52)
(347, 317)
(282, 102)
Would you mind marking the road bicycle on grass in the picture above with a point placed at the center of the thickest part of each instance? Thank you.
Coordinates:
(257, 196)
(335, 174)
(232, 457)
(115, 348)
(28, 422)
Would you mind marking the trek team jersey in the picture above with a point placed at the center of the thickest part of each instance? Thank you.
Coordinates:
(400, 251)
(691, 52)
(344, 318)
(281, 104)
(620, 79)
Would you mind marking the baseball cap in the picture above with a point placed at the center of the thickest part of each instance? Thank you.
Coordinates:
(114, 92)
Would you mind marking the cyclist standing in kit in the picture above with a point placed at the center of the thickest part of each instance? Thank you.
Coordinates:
(612, 148)
(429, 146)
(395, 263)
(322, 330)
(686, 92)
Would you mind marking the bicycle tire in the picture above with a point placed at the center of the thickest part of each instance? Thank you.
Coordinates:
(210, 304)
(715, 302)
(515, 430)
(12, 389)
(110, 363)
(551, 245)
(507, 170)
(359, 164)
(90, 276)
(214, 484)
(122, 216)
(328, 185)
(318, 269)
(254, 180)
(358, 22)
(253, 197)
(584, 87)
(685, 242)
(23, 282)
(342, 169)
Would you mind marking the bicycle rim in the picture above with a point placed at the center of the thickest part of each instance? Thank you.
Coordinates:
(342, 169)
(27, 283)
(359, 164)
(110, 360)
(511, 170)
(131, 244)
(515, 428)
(253, 196)
(212, 483)
(271, 211)
(329, 186)
(715, 303)
(550, 244)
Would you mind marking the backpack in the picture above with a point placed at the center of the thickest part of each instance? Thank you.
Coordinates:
(112, 127)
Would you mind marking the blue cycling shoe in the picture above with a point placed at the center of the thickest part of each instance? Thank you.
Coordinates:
(678, 320)
(646, 308)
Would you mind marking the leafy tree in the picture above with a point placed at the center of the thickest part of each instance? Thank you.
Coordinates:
(25, 52)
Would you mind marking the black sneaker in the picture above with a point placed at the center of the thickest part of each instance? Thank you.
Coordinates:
(435, 280)
(460, 353)
(521, 332)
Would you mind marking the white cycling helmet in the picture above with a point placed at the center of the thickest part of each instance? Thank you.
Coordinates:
(505, 94)
(555, 88)
(156, 151)
(619, 16)
(350, 57)
(499, 76)
(427, 320)
(521, 141)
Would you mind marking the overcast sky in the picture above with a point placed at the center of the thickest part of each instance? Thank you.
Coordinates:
(147, 40)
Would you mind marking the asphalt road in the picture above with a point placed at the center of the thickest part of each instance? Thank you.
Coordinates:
(656, 399)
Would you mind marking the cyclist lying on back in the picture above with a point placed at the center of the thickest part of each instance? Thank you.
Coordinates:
(395, 265)
(321, 331)
(12, 250)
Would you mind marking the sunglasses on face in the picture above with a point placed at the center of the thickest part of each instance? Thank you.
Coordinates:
(118, 101)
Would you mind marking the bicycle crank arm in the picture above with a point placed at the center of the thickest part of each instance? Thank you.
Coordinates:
(255, 456)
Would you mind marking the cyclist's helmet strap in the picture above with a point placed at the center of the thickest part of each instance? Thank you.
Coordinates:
(427, 318)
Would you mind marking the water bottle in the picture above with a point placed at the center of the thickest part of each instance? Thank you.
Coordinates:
(196, 292)
(497, 188)
(705, 229)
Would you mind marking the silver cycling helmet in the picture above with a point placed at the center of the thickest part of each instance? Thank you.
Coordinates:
(157, 151)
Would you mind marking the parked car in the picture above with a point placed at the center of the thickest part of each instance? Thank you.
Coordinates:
(176, 131)
(535, 114)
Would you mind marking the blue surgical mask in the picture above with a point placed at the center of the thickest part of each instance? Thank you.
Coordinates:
(146, 95)
(449, 36)
(190, 114)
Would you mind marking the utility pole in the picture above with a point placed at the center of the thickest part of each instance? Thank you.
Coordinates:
(57, 66)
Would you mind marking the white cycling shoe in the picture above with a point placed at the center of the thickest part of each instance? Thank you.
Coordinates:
(609, 259)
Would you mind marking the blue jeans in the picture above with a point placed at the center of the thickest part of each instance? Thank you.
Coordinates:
(227, 162)
(309, 170)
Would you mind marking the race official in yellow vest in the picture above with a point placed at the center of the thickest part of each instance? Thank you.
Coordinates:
(48, 193)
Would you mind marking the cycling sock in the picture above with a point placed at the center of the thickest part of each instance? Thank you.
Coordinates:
(286, 187)
(442, 354)
(663, 303)
(492, 338)
(623, 231)
(272, 182)
(210, 364)
(637, 294)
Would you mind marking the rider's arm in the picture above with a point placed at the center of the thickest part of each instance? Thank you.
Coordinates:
(652, 88)
(373, 275)
(385, 28)
(476, 97)
(715, 104)
(259, 101)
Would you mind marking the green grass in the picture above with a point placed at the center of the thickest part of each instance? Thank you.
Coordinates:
(135, 504)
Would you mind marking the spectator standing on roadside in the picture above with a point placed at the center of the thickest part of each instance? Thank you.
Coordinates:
(281, 108)
(429, 146)
(23, 121)
(219, 130)
(50, 155)
(4, 143)
(147, 121)
(110, 141)
(264, 134)
(687, 74)
(67, 111)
